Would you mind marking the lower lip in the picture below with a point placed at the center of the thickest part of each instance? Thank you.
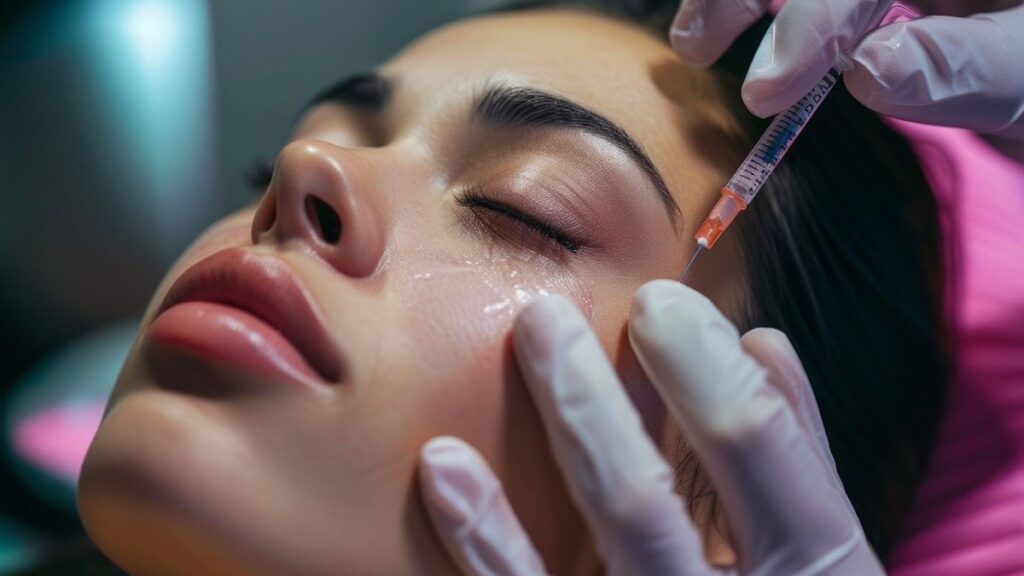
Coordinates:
(231, 336)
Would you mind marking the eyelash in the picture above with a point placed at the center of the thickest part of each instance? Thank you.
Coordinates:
(475, 199)
(259, 174)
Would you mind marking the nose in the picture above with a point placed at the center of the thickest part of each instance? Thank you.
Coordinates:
(318, 200)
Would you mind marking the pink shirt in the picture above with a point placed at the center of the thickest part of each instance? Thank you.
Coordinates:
(969, 514)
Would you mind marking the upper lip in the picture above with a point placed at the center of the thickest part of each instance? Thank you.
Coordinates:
(268, 288)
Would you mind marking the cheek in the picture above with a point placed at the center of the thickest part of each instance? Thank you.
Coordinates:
(459, 314)
(456, 314)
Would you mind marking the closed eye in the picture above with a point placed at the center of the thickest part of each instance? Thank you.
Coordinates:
(475, 198)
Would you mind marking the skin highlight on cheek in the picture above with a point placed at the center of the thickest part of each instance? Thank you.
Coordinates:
(482, 294)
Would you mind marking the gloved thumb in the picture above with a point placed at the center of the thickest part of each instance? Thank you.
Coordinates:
(966, 72)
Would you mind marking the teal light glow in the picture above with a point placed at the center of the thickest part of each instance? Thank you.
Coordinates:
(152, 60)
(153, 28)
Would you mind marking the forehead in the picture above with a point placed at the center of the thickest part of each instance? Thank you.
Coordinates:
(559, 44)
(612, 67)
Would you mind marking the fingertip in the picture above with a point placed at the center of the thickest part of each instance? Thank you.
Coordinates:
(702, 31)
(645, 312)
(438, 448)
(775, 352)
(762, 96)
(772, 341)
(445, 475)
(678, 335)
(687, 33)
(456, 480)
(653, 293)
(657, 290)
(470, 512)
(877, 66)
(545, 310)
(765, 78)
(444, 458)
(651, 300)
(539, 327)
(690, 50)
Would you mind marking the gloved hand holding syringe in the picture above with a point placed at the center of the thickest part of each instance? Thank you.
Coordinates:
(759, 164)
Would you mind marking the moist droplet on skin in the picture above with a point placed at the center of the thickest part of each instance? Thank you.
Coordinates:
(503, 285)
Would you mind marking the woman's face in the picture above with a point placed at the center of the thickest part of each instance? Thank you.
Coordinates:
(492, 161)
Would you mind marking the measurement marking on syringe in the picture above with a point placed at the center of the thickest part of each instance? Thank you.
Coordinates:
(777, 139)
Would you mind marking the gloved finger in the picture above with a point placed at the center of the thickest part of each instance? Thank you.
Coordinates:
(806, 39)
(703, 29)
(773, 351)
(783, 510)
(471, 514)
(966, 72)
(614, 471)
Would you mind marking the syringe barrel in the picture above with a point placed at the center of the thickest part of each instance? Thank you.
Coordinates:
(777, 139)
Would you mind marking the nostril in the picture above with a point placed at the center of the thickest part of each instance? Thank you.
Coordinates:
(326, 219)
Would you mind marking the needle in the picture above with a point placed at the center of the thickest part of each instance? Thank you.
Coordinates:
(692, 260)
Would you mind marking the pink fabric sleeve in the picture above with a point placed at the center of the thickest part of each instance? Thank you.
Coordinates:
(969, 514)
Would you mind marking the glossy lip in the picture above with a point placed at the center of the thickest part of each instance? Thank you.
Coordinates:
(267, 288)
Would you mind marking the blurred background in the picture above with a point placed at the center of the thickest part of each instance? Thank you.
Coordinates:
(126, 127)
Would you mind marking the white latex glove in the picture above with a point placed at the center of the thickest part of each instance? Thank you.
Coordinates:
(966, 72)
(745, 406)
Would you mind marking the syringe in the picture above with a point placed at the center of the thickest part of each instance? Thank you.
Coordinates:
(760, 163)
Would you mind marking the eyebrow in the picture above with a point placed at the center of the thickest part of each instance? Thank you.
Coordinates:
(367, 91)
(531, 108)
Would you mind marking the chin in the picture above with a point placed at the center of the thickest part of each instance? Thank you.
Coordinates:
(173, 485)
(145, 495)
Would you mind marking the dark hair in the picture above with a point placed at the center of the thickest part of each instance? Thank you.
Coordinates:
(843, 253)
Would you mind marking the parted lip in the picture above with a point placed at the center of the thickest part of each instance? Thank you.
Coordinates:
(268, 288)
